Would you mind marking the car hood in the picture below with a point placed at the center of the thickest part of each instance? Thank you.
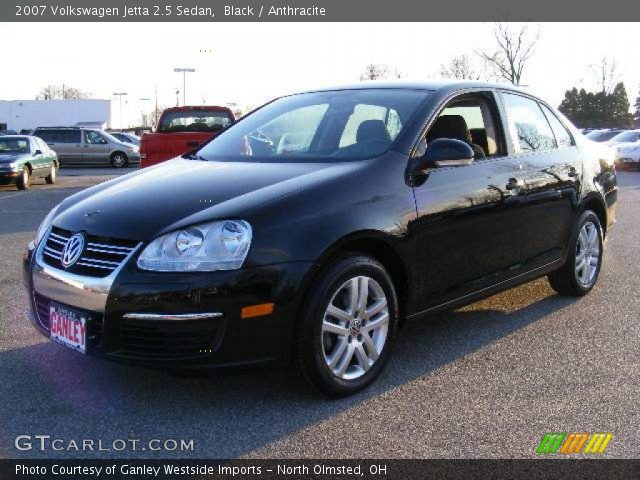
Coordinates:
(11, 157)
(620, 145)
(181, 192)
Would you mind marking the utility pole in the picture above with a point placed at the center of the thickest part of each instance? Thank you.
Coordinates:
(184, 72)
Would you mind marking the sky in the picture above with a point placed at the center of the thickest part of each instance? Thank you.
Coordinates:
(250, 63)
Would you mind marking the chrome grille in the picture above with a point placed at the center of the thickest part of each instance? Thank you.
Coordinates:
(100, 257)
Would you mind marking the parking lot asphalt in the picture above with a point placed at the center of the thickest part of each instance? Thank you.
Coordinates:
(485, 381)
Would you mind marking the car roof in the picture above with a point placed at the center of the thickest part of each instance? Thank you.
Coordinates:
(443, 85)
(59, 128)
(196, 107)
(17, 136)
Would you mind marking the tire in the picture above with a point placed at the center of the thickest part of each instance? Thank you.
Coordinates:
(51, 178)
(119, 160)
(339, 353)
(24, 181)
(585, 245)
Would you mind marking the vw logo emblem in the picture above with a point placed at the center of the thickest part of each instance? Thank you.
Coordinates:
(72, 250)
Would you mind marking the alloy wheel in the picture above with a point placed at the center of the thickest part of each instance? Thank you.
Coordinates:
(119, 161)
(355, 327)
(587, 254)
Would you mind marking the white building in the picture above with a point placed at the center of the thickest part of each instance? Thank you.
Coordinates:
(29, 114)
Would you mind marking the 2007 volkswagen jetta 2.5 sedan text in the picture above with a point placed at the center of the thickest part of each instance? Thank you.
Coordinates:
(308, 232)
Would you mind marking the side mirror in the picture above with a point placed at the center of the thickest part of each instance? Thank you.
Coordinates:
(446, 152)
(38, 152)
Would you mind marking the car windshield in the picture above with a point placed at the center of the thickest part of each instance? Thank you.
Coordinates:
(626, 137)
(594, 134)
(194, 121)
(320, 126)
(14, 145)
(107, 135)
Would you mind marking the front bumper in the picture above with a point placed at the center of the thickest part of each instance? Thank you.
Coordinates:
(9, 178)
(628, 158)
(121, 328)
(134, 158)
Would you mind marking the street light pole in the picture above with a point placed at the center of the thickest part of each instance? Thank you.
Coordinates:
(120, 95)
(184, 72)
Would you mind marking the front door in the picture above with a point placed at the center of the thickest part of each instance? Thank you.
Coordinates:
(96, 148)
(469, 217)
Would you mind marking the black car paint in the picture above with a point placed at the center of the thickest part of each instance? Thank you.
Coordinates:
(448, 236)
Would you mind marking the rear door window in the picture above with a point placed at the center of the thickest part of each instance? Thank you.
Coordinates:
(46, 135)
(563, 137)
(70, 136)
(529, 127)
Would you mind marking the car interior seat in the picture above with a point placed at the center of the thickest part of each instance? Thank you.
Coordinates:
(454, 126)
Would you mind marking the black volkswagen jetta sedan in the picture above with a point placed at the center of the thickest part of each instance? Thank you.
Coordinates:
(310, 230)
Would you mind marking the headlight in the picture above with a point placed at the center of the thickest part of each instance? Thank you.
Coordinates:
(46, 223)
(13, 166)
(202, 248)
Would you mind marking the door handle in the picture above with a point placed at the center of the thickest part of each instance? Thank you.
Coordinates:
(192, 144)
(514, 184)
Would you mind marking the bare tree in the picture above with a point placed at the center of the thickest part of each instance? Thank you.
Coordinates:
(460, 67)
(72, 93)
(55, 92)
(606, 74)
(513, 51)
(154, 116)
(374, 71)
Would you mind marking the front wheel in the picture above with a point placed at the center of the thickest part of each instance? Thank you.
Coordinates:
(51, 178)
(24, 180)
(580, 272)
(119, 160)
(347, 328)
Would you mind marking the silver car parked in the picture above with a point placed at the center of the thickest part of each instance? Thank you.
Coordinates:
(85, 146)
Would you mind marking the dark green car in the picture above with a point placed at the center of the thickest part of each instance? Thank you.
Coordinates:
(25, 157)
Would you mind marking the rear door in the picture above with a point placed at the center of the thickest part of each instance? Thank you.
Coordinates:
(552, 169)
(65, 142)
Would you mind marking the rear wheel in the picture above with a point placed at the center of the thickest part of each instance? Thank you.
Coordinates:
(51, 178)
(348, 325)
(580, 272)
(119, 160)
(24, 180)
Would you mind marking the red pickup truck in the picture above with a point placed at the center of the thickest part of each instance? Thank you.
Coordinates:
(181, 129)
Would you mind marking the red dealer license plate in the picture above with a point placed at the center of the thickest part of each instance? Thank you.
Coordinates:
(68, 327)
